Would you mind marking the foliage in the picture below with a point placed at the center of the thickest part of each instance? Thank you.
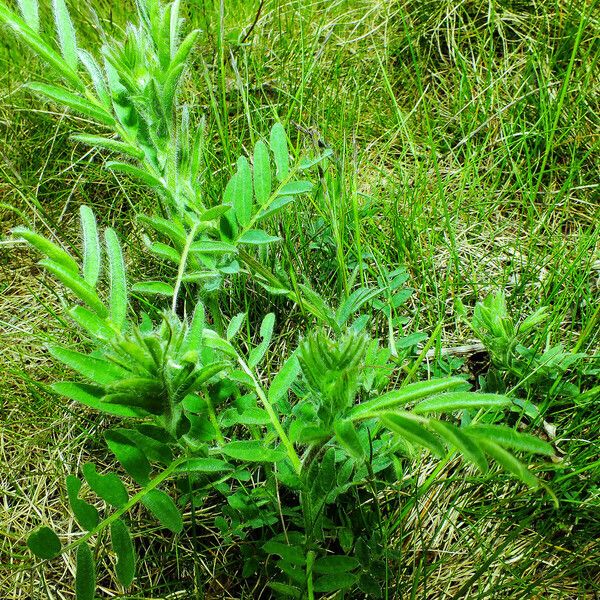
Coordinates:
(331, 427)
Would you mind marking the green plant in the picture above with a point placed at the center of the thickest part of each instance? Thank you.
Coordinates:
(331, 426)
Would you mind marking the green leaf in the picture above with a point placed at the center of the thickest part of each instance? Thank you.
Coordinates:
(30, 13)
(354, 302)
(348, 438)
(87, 320)
(123, 548)
(129, 455)
(172, 230)
(332, 564)
(262, 173)
(32, 39)
(77, 285)
(92, 396)
(163, 508)
(283, 381)
(507, 437)
(97, 370)
(405, 395)
(118, 281)
(44, 543)
(252, 451)
(212, 247)
(109, 487)
(295, 187)
(203, 465)
(165, 252)
(99, 141)
(235, 325)
(333, 583)
(85, 578)
(508, 462)
(469, 448)
(91, 246)
(276, 205)
(153, 449)
(66, 33)
(461, 401)
(77, 103)
(135, 172)
(410, 427)
(50, 249)
(86, 514)
(214, 213)
(279, 148)
(238, 192)
(153, 287)
(257, 237)
(249, 416)
(266, 332)
(92, 67)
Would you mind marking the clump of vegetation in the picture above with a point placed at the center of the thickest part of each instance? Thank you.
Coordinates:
(301, 451)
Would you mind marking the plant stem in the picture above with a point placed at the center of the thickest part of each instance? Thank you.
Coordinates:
(285, 440)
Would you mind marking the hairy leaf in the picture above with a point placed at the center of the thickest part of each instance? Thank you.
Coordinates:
(86, 514)
(411, 428)
(73, 101)
(66, 33)
(129, 455)
(508, 462)
(257, 237)
(109, 487)
(118, 281)
(507, 437)
(348, 438)
(50, 249)
(123, 548)
(85, 578)
(92, 396)
(282, 382)
(77, 285)
(461, 401)
(252, 451)
(44, 543)
(279, 148)
(164, 509)
(30, 13)
(467, 446)
(91, 246)
(262, 173)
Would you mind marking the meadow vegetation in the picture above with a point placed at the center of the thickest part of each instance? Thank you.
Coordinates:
(425, 216)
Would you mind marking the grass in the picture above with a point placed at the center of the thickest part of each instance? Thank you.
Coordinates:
(466, 149)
